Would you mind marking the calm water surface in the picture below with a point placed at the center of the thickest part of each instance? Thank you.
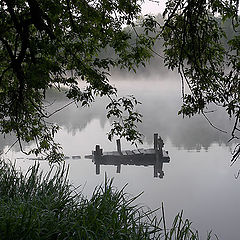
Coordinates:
(198, 178)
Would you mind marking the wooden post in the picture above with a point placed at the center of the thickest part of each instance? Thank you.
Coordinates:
(155, 173)
(119, 168)
(160, 146)
(97, 168)
(158, 167)
(119, 146)
(156, 154)
(97, 156)
(155, 141)
(98, 151)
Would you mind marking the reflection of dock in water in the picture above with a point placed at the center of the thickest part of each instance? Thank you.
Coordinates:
(140, 157)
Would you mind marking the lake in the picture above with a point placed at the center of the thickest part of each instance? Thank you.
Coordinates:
(198, 179)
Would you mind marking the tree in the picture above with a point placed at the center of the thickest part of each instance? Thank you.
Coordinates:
(53, 43)
(193, 32)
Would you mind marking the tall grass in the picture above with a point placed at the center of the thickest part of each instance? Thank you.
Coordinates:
(45, 206)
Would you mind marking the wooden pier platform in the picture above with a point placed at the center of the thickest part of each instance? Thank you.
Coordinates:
(139, 157)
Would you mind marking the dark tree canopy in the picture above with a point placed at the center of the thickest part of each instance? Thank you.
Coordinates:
(194, 37)
(54, 43)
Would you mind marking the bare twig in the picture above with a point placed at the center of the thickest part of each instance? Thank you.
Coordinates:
(212, 123)
(11, 147)
(58, 110)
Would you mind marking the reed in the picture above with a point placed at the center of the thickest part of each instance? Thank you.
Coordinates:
(46, 206)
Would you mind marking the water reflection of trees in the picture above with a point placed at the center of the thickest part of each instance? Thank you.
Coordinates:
(193, 133)
(159, 108)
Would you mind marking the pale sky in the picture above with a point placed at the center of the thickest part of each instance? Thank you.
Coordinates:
(153, 7)
(156, 6)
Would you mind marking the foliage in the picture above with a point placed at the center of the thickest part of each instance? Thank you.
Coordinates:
(124, 126)
(37, 206)
(193, 34)
(49, 44)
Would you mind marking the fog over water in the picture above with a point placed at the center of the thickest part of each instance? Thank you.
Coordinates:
(198, 178)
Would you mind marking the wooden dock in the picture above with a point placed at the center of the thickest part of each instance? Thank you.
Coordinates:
(155, 157)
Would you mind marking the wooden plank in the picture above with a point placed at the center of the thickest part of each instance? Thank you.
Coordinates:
(107, 153)
(141, 150)
(149, 151)
(111, 154)
(124, 153)
(137, 152)
(128, 152)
